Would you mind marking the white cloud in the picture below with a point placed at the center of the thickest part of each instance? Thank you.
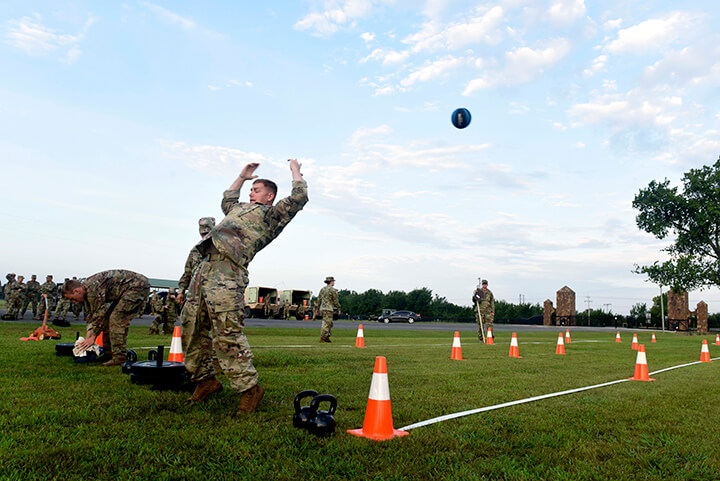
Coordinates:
(387, 57)
(170, 17)
(653, 34)
(522, 65)
(597, 65)
(433, 70)
(566, 11)
(336, 14)
(30, 36)
(367, 37)
(210, 158)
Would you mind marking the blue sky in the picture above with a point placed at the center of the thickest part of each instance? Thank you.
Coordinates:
(122, 123)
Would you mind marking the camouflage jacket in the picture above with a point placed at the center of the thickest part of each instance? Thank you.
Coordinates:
(19, 289)
(8, 289)
(33, 288)
(104, 289)
(486, 300)
(248, 228)
(192, 261)
(48, 288)
(328, 298)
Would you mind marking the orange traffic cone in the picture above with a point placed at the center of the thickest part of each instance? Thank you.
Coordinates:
(634, 345)
(514, 348)
(176, 353)
(705, 352)
(717, 340)
(641, 367)
(360, 339)
(653, 338)
(489, 337)
(378, 423)
(456, 352)
(560, 349)
(98, 340)
(567, 337)
(617, 337)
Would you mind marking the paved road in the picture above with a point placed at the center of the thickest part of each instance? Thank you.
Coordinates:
(369, 325)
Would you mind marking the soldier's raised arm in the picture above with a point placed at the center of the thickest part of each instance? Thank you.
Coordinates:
(232, 194)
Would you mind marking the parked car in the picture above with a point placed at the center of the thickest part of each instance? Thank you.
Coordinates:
(400, 316)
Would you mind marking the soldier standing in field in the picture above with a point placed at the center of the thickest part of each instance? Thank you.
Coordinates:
(31, 297)
(48, 288)
(157, 301)
(213, 314)
(113, 298)
(62, 307)
(328, 300)
(484, 304)
(17, 298)
(8, 290)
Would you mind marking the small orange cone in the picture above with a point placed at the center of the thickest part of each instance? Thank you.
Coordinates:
(634, 345)
(641, 367)
(307, 317)
(567, 337)
(514, 347)
(617, 337)
(456, 352)
(176, 353)
(717, 340)
(360, 339)
(653, 338)
(98, 340)
(705, 352)
(378, 423)
(489, 337)
(560, 349)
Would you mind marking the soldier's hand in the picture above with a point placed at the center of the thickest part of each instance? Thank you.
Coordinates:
(180, 298)
(248, 170)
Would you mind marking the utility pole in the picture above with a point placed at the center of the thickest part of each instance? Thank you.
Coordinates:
(662, 309)
(587, 299)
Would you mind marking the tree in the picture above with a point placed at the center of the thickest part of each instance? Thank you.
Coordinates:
(693, 217)
(639, 310)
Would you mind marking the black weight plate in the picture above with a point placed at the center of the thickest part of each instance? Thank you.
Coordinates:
(169, 369)
(64, 348)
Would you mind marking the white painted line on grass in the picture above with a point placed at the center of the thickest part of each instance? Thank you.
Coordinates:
(527, 400)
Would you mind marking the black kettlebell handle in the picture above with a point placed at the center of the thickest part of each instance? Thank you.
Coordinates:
(152, 355)
(301, 395)
(131, 355)
(323, 397)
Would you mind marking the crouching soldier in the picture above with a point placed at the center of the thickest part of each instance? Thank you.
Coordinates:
(113, 298)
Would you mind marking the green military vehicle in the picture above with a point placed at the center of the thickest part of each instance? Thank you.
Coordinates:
(295, 303)
(261, 302)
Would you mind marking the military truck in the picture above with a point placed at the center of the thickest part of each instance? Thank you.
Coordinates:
(261, 302)
(297, 303)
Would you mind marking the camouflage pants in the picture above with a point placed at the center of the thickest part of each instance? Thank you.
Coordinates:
(30, 302)
(212, 321)
(14, 305)
(327, 325)
(115, 325)
(487, 318)
(167, 321)
(76, 308)
(62, 307)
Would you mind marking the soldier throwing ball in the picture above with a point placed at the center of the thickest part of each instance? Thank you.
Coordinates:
(212, 317)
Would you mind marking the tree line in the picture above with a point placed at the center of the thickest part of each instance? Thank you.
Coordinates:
(430, 306)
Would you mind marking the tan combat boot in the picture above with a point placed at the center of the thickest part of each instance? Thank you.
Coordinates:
(205, 388)
(116, 361)
(250, 399)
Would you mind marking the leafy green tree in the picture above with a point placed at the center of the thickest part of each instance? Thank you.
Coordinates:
(639, 310)
(692, 216)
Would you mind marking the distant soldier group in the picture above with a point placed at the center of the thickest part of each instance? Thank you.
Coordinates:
(21, 296)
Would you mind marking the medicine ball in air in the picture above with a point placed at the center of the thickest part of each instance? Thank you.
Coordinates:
(461, 118)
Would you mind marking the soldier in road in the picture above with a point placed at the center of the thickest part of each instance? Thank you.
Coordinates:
(31, 297)
(484, 304)
(328, 300)
(214, 309)
(113, 298)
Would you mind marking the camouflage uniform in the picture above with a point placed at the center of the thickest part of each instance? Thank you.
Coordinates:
(49, 288)
(62, 306)
(328, 300)
(484, 303)
(31, 298)
(212, 317)
(167, 310)
(17, 297)
(114, 298)
(8, 291)
(156, 309)
(205, 224)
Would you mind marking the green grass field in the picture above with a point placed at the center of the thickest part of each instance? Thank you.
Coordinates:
(61, 420)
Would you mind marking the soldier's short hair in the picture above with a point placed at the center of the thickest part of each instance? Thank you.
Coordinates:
(269, 184)
(49, 276)
(70, 285)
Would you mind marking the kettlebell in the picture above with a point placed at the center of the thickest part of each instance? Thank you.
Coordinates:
(301, 418)
(131, 359)
(323, 422)
(152, 355)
